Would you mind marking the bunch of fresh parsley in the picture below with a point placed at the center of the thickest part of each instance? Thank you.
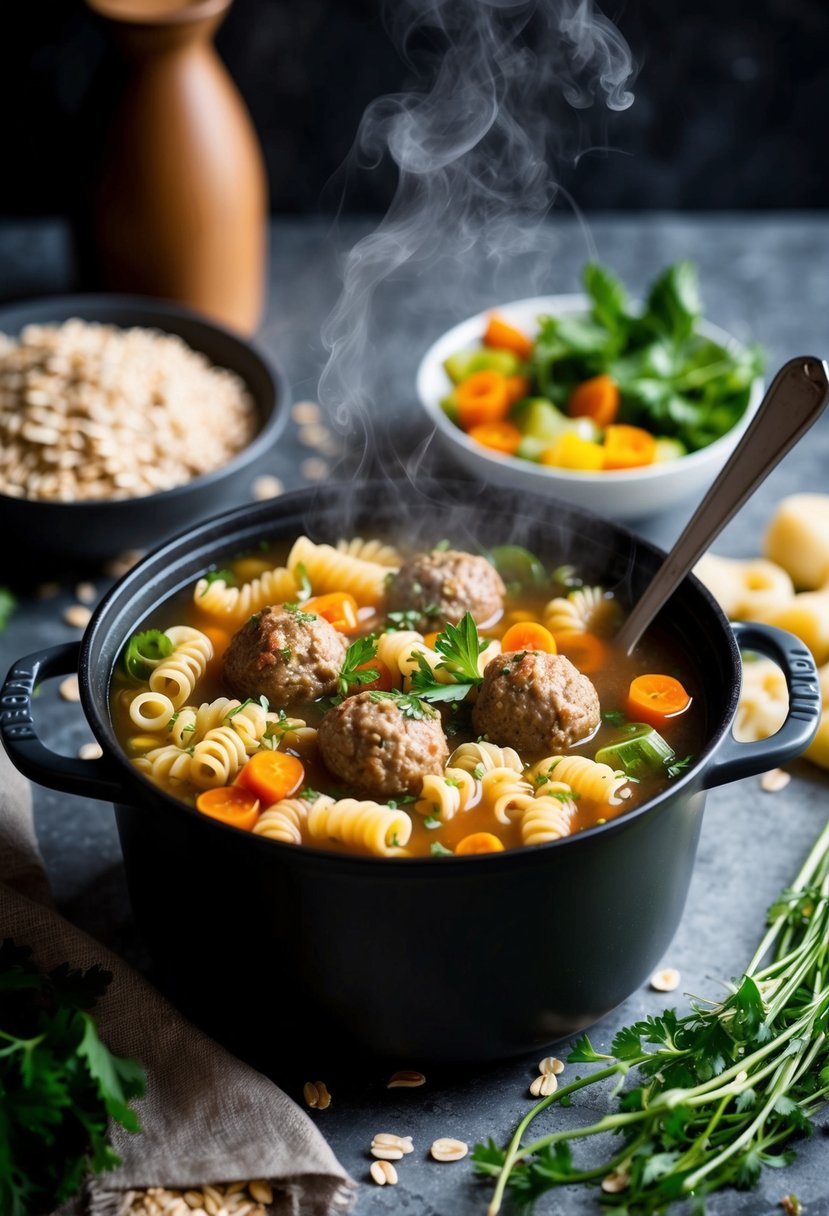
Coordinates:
(59, 1084)
(719, 1093)
(672, 380)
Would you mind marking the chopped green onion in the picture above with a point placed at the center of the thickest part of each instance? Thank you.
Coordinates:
(641, 751)
(145, 651)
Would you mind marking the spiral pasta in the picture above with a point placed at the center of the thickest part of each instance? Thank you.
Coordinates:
(546, 818)
(165, 764)
(178, 675)
(284, 820)
(370, 551)
(217, 758)
(381, 830)
(443, 795)
(585, 777)
(150, 710)
(744, 589)
(233, 605)
(585, 610)
(504, 792)
(485, 756)
(764, 701)
(330, 570)
(397, 648)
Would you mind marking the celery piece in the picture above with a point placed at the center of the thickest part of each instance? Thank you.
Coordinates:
(466, 362)
(518, 565)
(449, 405)
(538, 418)
(668, 449)
(640, 751)
(530, 448)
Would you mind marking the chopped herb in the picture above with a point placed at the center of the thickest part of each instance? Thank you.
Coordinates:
(460, 648)
(286, 653)
(679, 766)
(432, 822)
(190, 726)
(394, 842)
(174, 719)
(407, 619)
(452, 781)
(305, 588)
(309, 795)
(505, 671)
(358, 654)
(478, 772)
(441, 546)
(409, 704)
(254, 620)
(218, 576)
(388, 579)
(238, 709)
(301, 617)
(615, 717)
(417, 588)
(144, 651)
(438, 850)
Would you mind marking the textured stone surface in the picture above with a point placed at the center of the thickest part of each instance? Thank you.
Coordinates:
(761, 278)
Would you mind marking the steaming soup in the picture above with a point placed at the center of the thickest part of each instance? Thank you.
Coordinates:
(358, 699)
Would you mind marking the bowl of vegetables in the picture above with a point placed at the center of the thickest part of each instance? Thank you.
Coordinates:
(624, 410)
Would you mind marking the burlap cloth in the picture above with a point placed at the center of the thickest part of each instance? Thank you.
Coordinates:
(206, 1117)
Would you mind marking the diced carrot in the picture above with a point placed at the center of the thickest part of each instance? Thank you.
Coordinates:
(503, 336)
(231, 804)
(656, 698)
(628, 447)
(528, 635)
(479, 842)
(383, 683)
(499, 436)
(584, 650)
(272, 775)
(220, 639)
(482, 397)
(517, 388)
(429, 639)
(570, 451)
(596, 398)
(338, 608)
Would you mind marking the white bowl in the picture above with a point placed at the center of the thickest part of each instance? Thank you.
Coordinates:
(619, 493)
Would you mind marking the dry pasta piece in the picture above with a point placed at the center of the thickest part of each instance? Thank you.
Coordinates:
(233, 605)
(380, 830)
(818, 749)
(370, 551)
(485, 756)
(807, 616)
(744, 588)
(585, 610)
(764, 701)
(546, 819)
(798, 539)
(505, 793)
(330, 570)
(150, 710)
(585, 777)
(178, 675)
(443, 795)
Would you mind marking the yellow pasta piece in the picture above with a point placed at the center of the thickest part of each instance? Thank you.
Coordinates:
(233, 605)
(330, 570)
(818, 749)
(545, 819)
(745, 589)
(443, 795)
(764, 701)
(585, 610)
(798, 539)
(378, 829)
(178, 675)
(807, 615)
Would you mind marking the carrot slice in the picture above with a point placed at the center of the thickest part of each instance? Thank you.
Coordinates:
(482, 397)
(628, 447)
(499, 436)
(500, 335)
(655, 699)
(584, 650)
(517, 387)
(384, 682)
(272, 775)
(231, 804)
(596, 398)
(528, 635)
(479, 842)
(338, 608)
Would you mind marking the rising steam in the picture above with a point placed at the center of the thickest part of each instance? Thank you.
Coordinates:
(476, 147)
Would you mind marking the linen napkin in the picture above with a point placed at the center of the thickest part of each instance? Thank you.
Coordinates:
(206, 1116)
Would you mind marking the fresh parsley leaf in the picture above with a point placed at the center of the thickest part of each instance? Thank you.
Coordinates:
(358, 654)
(432, 822)
(298, 615)
(144, 651)
(404, 619)
(218, 576)
(436, 849)
(679, 766)
(409, 704)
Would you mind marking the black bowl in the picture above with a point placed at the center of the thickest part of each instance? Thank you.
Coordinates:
(470, 958)
(94, 531)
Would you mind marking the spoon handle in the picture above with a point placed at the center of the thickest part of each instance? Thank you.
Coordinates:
(794, 400)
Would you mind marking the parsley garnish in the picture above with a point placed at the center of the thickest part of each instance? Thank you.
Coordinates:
(395, 842)
(298, 615)
(431, 822)
(439, 850)
(144, 651)
(460, 648)
(615, 717)
(263, 701)
(441, 546)
(309, 795)
(478, 772)
(407, 619)
(174, 719)
(218, 576)
(679, 766)
(359, 652)
(286, 652)
(409, 704)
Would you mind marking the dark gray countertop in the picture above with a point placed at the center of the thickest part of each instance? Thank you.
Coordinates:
(763, 278)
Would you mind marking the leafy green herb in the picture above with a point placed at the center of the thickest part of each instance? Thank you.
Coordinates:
(359, 652)
(478, 772)
(309, 795)
(438, 850)
(405, 619)
(286, 652)
(298, 615)
(394, 803)
(432, 822)
(409, 703)
(59, 1083)
(174, 719)
(8, 603)
(718, 1093)
(238, 709)
(394, 842)
(218, 576)
(460, 647)
(679, 766)
(615, 717)
(305, 589)
(441, 546)
(144, 651)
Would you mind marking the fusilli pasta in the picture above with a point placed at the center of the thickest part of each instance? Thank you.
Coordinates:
(504, 792)
(485, 756)
(585, 777)
(585, 610)
(233, 605)
(370, 551)
(150, 710)
(330, 570)
(284, 820)
(177, 676)
(545, 819)
(217, 758)
(379, 829)
(443, 795)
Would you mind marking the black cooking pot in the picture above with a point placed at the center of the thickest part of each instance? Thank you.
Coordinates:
(473, 958)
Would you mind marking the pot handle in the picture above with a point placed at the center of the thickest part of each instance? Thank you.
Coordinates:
(736, 760)
(89, 778)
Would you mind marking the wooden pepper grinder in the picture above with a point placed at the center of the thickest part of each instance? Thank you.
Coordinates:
(180, 201)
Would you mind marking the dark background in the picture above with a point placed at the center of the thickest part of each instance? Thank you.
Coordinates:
(731, 109)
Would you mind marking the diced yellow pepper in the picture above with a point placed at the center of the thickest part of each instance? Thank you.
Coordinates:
(570, 451)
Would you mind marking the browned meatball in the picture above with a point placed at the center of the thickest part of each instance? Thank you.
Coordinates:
(537, 703)
(442, 586)
(377, 748)
(285, 653)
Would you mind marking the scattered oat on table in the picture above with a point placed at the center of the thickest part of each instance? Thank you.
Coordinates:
(383, 1172)
(315, 469)
(90, 751)
(314, 436)
(551, 1064)
(265, 487)
(85, 593)
(122, 562)
(70, 689)
(665, 980)
(774, 780)
(78, 616)
(407, 1078)
(229, 1199)
(391, 1140)
(305, 413)
(316, 1095)
(545, 1083)
(448, 1149)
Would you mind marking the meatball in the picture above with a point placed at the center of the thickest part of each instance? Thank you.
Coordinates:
(285, 653)
(442, 586)
(377, 748)
(537, 703)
